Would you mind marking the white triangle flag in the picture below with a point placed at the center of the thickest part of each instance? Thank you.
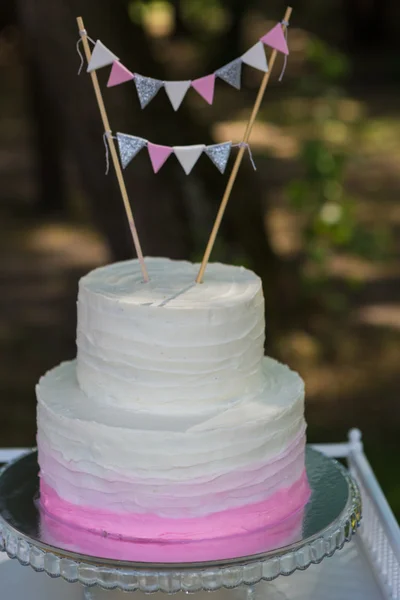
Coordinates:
(176, 91)
(188, 155)
(255, 57)
(101, 57)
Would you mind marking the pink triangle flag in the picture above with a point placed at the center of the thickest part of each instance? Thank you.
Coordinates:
(158, 155)
(205, 87)
(119, 74)
(276, 39)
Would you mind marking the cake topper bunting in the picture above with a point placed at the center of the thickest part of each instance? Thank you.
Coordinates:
(130, 146)
(239, 157)
(255, 57)
(119, 74)
(188, 155)
(205, 87)
(231, 73)
(219, 154)
(101, 57)
(148, 87)
(110, 141)
(277, 39)
(158, 155)
(176, 91)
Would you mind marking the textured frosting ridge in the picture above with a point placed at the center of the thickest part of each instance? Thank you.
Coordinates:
(171, 414)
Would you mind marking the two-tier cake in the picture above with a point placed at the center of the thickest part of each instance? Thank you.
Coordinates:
(171, 425)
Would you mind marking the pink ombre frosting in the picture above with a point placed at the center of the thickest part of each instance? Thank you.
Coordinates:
(104, 507)
(69, 537)
(254, 527)
(196, 497)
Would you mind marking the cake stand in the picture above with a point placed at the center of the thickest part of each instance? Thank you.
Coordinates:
(330, 518)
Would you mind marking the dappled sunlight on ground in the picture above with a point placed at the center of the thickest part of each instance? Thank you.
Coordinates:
(387, 315)
(265, 136)
(283, 227)
(361, 269)
(71, 245)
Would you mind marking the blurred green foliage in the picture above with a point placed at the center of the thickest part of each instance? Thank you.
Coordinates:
(198, 16)
(208, 15)
(328, 212)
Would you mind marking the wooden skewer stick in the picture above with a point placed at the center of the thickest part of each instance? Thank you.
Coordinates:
(113, 151)
(239, 158)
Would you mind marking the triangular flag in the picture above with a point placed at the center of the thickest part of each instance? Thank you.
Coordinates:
(119, 74)
(276, 39)
(219, 154)
(231, 73)
(188, 155)
(129, 146)
(255, 57)
(101, 57)
(176, 91)
(205, 87)
(146, 88)
(158, 155)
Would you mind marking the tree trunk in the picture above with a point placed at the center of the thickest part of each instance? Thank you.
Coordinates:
(366, 23)
(8, 14)
(49, 143)
(180, 30)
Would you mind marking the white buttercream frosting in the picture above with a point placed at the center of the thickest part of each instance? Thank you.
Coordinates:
(170, 406)
(170, 345)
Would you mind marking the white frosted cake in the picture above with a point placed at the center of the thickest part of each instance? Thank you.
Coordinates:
(171, 425)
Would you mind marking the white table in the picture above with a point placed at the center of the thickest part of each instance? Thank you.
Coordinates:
(367, 568)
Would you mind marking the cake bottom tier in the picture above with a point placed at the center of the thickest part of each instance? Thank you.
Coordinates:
(270, 512)
(131, 476)
(69, 537)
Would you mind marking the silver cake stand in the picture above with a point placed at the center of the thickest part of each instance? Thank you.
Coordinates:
(330, 518)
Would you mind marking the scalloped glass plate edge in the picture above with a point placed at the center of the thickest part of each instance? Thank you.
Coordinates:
(195, 577)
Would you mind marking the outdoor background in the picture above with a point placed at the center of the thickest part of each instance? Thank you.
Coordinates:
(318, 221)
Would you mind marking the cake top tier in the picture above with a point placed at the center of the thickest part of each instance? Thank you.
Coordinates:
(170, 344)
(172, 284)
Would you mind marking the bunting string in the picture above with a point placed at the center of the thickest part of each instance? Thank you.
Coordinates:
(147, 87)
(106, 136)
(286, 27)
(82, 32)
(130, 145)
(246, 146)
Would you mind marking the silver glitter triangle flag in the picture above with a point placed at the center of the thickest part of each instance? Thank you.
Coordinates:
(219, 154)
(146, 88)
(231, 73)
(129, 146)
